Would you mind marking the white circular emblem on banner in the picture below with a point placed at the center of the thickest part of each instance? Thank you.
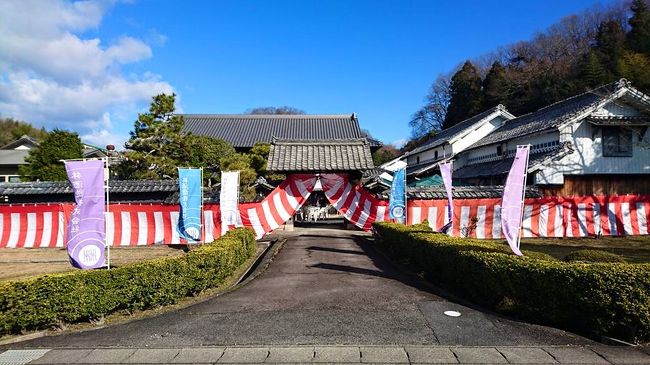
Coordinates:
(90, 255)
(398, 211)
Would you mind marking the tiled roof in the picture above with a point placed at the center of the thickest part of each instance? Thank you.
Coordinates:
(551, 116)
(448, 134)
(320, 155)
(25, 139)
(461, 192)
(13, 157)
(63, 187)
(502, 167)
(243, 130)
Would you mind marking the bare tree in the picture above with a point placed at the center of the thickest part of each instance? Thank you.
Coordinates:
(275, 110)
(431, 116)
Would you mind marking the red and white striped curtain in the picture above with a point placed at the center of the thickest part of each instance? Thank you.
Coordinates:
(43, 225)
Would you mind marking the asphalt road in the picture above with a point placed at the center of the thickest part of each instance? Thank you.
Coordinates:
(320, 289)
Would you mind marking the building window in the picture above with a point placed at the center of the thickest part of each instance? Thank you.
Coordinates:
(499, 151)
(15, 178)
(417, 159)
(617, 142)
(435, 155)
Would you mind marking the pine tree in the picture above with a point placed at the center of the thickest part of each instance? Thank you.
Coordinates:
(495, 86)
(638, 38)
(465, 89)
(44, 162)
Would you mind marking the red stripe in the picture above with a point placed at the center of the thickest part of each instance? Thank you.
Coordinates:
(55, 229)
(38, 238)
(6, 229)
(135, 228)
(473, 213)
(285, 202)
(534, 220)
(604, 218)
(489, 219)
(151, 227)
(348, 201)
(620, 228)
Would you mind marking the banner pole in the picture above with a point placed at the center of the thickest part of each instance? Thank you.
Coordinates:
(201, 218)
(406, 210)
(107, 191)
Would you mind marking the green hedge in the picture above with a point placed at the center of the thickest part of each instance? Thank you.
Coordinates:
(592, 299)
(51, 300)
(593, 256)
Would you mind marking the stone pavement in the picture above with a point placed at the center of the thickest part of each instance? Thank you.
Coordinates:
(333, 355)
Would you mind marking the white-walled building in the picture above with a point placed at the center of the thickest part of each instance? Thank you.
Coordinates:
(451, 141)
(593, 143)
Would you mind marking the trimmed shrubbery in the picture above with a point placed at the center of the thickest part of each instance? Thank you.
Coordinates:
(51, 300)
(611, 299)
(593, 256)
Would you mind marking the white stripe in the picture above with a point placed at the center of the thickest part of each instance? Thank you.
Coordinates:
(496, 223)
(46, 237)
(280, 207)
(627, 219)
(480, 223)
(208, 226)
(641, 217)
(433, 218)
(558, 224)
(339, 203)
(14, 230)
(364, 214)
(110, 228)
(61, 230)
(268, 215)
(353, 206)
(611, 217)
(582, 219)
(159, 233)
(381, 213)
(126, 229)
(31, 230)
(143, 229)
(255, 222)
(527, 223)
(596, 212)
(416, 213)
(176, 239)
(291, 197)
(569, 223)
(543, 220)
(464, 222)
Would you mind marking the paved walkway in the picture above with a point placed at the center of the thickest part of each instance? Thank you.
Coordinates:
(334, 355)
(325, 288)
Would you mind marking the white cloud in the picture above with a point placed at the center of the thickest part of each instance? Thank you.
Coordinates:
(50, 75)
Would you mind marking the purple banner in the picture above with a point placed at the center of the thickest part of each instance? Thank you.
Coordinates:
(446, 171)
(86, 230)
(512, 203)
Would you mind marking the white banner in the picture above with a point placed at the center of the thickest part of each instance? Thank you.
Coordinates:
(229, 201)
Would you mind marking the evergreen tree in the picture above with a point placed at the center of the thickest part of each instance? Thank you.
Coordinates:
(638, 38)
(495, 86)
(44, 162)
(635, 67)
(158, 146)
(610, 45)
(12, 129)
(465, 90)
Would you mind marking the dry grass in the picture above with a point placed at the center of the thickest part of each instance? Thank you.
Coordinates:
(23, 263)
(635, 249)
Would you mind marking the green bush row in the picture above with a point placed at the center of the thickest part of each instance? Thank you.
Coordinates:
(52, 300)
(593, 256)
(600, 299)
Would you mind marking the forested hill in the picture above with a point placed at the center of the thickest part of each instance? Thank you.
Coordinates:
(580, 52)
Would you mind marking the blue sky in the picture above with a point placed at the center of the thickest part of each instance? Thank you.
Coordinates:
(97, 64)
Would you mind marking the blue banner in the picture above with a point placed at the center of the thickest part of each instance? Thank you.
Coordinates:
(397, 206)
(189, 219)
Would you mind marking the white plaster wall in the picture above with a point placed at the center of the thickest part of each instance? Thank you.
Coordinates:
(477, 134)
